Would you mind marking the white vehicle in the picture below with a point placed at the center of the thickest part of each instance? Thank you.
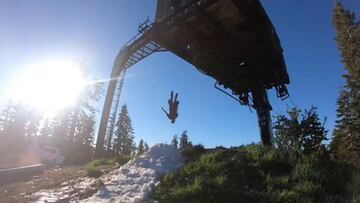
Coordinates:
(50, 155)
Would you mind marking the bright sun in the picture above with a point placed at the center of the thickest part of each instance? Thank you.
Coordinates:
(49, 86)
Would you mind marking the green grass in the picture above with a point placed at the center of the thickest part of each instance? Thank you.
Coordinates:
(93, 168)
(193, 153)
(121, 159)
(100, 162)
(259, 174)
(93, 171)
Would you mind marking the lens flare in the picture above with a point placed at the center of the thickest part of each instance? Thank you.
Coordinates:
(49, 86)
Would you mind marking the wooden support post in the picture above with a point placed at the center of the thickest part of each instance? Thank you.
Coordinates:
(263, 108)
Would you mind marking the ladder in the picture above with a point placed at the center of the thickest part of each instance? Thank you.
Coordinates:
(142, 52)
(113, 111)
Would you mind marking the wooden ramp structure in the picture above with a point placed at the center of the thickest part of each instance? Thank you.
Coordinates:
(232, 41)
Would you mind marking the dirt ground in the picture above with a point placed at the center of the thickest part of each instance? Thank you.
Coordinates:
(48, 179)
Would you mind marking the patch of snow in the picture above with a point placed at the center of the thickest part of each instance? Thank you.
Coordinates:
(132, 182)
(135, 181)
(69, 191)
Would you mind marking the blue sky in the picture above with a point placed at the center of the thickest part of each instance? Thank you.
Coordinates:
(93, 31)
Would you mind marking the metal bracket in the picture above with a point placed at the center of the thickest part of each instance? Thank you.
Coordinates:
(282, 91)
(244, 98)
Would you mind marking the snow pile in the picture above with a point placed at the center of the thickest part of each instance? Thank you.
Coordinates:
(135, 181)
(70, 191)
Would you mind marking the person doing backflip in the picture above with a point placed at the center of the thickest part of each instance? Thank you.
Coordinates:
(173, 107)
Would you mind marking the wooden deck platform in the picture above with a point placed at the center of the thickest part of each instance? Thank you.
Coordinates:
(232, 41)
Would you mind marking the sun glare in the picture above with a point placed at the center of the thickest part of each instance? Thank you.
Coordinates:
(49, 86)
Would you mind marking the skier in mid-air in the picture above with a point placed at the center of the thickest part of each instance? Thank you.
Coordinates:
(173, 107)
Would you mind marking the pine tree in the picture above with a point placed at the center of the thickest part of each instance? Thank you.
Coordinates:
(141, 148)
(60, 132)
(184, 141)
(88, 132)
(6, 120)
(313, 132)
(81, 117)
(45, 133)
(7, 116)
(84, 106)
(287, 131)
(346, 137)
(300, 131)
(124, 141)
(18, 128)
(146, 147)
(19, 124)
(33, 122)
(84, 139)
(174, 142)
